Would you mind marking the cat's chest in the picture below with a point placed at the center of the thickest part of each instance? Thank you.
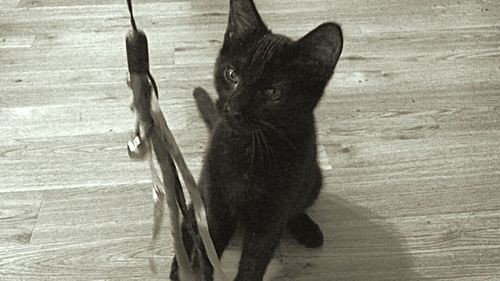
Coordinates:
(245, 166)
(232, 177)
(232, 161)
(237, 160)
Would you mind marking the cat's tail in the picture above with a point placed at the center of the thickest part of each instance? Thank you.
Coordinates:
(206, 107)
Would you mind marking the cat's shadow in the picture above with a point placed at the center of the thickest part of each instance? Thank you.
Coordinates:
(358, 246)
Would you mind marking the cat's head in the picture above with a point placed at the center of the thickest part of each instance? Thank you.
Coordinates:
(261, 76)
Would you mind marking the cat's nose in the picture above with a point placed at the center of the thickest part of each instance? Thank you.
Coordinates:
(233, 113)
(236, 116)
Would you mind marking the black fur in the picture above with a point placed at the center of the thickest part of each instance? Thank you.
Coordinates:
(261, 167)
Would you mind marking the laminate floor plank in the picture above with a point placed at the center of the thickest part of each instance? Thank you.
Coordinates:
(408, 135)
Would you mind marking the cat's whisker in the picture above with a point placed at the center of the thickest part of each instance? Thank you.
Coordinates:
(269, 151)
(260, 146)
(253, 148)
(280, 134)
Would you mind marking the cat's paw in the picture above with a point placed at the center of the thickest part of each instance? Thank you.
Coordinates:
(206, 107)
(305, 231)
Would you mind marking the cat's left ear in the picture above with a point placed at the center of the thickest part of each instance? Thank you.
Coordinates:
(244, 21)
(322, 47)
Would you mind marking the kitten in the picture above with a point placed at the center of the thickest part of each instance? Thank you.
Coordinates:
(261, 167)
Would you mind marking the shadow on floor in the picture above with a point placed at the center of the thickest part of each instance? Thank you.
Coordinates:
(358, 246)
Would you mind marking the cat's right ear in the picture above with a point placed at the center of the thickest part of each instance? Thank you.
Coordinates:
(244, 21)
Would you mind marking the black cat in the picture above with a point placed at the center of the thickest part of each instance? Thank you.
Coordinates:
(261, 167)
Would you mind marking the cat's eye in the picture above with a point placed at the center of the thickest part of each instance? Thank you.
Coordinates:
(273, 93)
(231, 75)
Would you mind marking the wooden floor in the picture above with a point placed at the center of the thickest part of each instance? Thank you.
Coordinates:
(409, 137)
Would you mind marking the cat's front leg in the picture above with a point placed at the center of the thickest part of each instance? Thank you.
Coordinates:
(221, 227)
(259, 245)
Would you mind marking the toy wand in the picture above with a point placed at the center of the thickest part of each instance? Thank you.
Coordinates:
(152, 134)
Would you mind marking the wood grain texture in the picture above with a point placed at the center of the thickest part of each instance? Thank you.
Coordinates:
(409, 135)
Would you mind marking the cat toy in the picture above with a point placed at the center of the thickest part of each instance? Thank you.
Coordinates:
(153, 135)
